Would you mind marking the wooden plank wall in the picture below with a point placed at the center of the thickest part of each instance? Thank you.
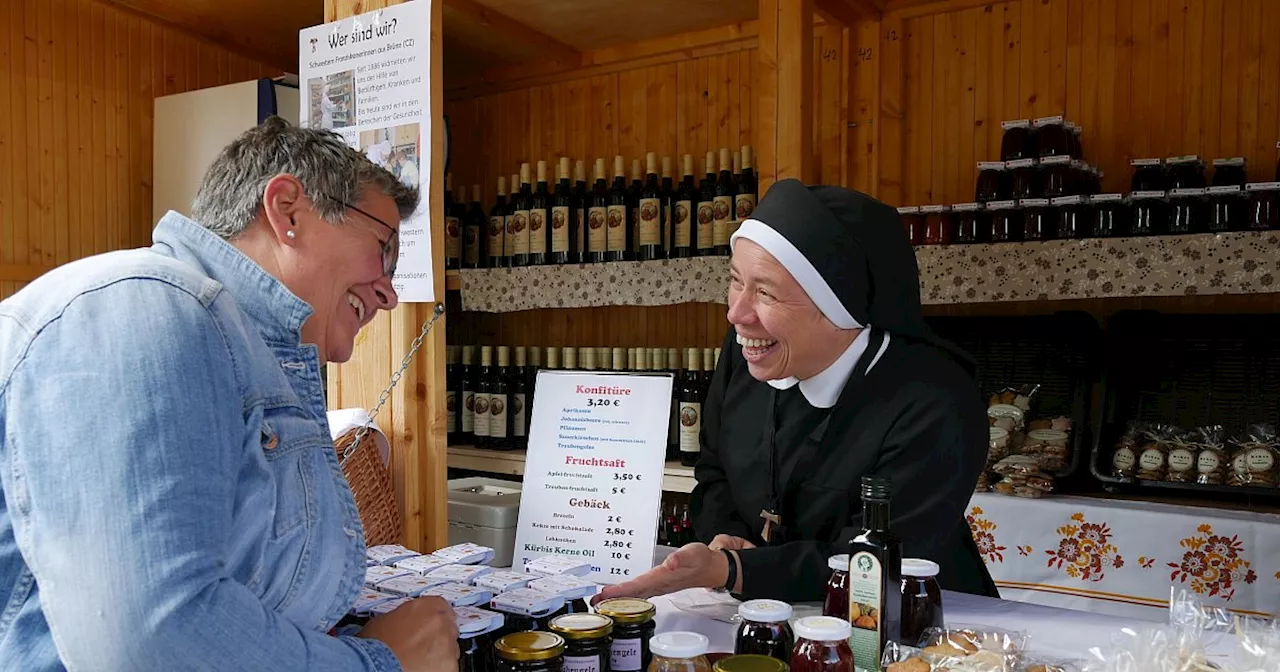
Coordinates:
(77, 83)
(689, 106)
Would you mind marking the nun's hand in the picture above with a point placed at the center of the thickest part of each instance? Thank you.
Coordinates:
(729, 543)
(693, 566)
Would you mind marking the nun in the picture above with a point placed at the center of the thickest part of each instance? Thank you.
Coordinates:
(830, 374)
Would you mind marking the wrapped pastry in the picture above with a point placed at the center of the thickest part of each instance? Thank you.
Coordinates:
(1212, 464)
(1180, 458)
(1049, 447)
(1153, 453)
(1254, 461)
(1124, 458)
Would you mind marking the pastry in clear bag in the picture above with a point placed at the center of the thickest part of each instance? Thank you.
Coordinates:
(1124, 458)
(1180, 459)
(1213, 466)
(1254, 460)
(1022, 477)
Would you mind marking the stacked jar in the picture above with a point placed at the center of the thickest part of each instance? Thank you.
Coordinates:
(1227, 199)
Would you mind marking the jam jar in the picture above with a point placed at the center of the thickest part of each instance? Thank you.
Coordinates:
(1017, 142)
(1149, 175)
(1230, 172)
(1185, 172)
(751, 663)
(1026, 179)
(1186, 210)
(1149, 215)
(679, 652)
(993, 182)
(633, 627)
(1006, 222)
(921, 599)
(938, 229)
(587, 642)
(1038, 220)
(530, 652)
(1052, 137)
(1109, 217)
(1264, 206)
(764, 629)
(970, 227)
(913, 223)
(822, 645)
(1073, 217)
(1227, 206)
(835, 600)
(475, 654)
(1056, 175)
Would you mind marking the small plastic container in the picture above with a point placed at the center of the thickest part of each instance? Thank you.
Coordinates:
(836, 598)
(587, 641)
(822, 645)
(765, 630)
(679, 652)
(921, 599)
(530, 652)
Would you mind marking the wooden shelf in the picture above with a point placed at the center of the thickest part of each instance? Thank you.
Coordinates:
(675, 477)
(1201, 264)
(452, 281)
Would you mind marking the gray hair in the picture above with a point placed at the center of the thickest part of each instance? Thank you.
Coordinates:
(231, 193)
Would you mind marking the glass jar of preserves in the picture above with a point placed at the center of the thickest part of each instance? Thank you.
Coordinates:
(1227, 205)
(993, 182)
(968, 221)
(1073, 217)
(764, 629)
(1006, 222)
(921, 599)
(587, 641)
(1036, 219)
(633, 627)
(750, 663)
(938, 229)
(530, 652)
(1264, 206)
(1230, 172)
(680, 652)
(1057, 175)
(526, 609)
(1149, 175)
(1052, 137)
(475, 639)
(913, 223)
(1026, 179)
(1149, 215)
(1185, 172)
(1109, 215)
(822, 645)
(1017, 142)
(835, 600)
(1186, 211)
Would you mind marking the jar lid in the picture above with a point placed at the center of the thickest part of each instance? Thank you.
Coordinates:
(1047, 435)
(823, 629)
(1034, 202)
(966, 207)
(1146, 162)
(582, 626)
(909, 210)
(1225, 189)
(1005, 411)
(627, 610)
(934, 209)
(1141, 195)
(1194, 191)
(1107, 198)
(766, 611)
(1067, 200)
(1020, 163)
(473, 622)
(1178, 160)
(991, 165)
(1001, 205)
(1233, 161)
(679, 645)
(1048, 121)
(1055, 160)
(1262, 186)
(749, 662)
(839, 563)
(522, 647)
(998, 433)
(919, 568)
(1024, 123)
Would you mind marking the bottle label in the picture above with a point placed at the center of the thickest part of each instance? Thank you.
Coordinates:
(1260, 459)
(482, 415)
(650, 221)
(744, 205)
(1181, 459)
(706, 223)
(538, 231)
(468, 411)
(498, 416)
(596, 220)
(518, 410)
(617, 240)
(560, 228)
(690, 426)
(624, 655)
(582, 664)
(518, 227)
(452, 238)
(865, 605)
(497, 234)
(683, 210)
(1208, 462)
(471, 244)
(720, 224)
(1123, 459)
(1151, 460)
(451, 406)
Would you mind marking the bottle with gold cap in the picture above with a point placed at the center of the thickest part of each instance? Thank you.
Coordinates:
(580, 205)
(691, 395)
(520, 204)
(470, 386)
(517, 244)
(668, 197)
(517, 386)
(597, 228)
(452, 226)
(453, 393)
(673, 433)
(619, 360)
(723, 204)
(481, 405)
(497, 254)
(530, 652)
(708, 369)
(633, 207)
(684, 240)
(650, 213)
(619, 229)
(540, 220)
(588, 359)
(707, 208)
(564, 234)
(569, 358)
(474, 227)
(745, 200)
(553, 359)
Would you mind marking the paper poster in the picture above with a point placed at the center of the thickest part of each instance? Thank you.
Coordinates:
(593, 475)
(368, 78)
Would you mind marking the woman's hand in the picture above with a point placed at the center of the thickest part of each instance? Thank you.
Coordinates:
(729, 543)
(693, 566)
(422, 633)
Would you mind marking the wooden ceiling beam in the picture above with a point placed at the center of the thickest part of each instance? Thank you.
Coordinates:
(848, 12)
(907, 9)
(503, 25)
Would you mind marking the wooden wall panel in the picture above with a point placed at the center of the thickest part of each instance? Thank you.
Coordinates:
(1143, 77)
(76, 88)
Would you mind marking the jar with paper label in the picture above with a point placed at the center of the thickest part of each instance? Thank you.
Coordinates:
(1058, 176)
(913, 223)
(835, 600)
(765, 629)
(1052, 137)
(969, 225)
(1185, 172)
(1074, 217)
(994, 182)
(1149, 216)
(1148, 175)
(530, 652)
(1230, 172)
(1227, 208)
(1181, 458)
(633, 627)
(1038, 220)
(1153, 453)
(680, 652)
(1186, 211)
(1026, 179)
(1017, 142)
(1006, 222)
(1213, 466)
(587, 641)
(1050, 448)
(1109, 215)
(1264, 206)
(938, 229)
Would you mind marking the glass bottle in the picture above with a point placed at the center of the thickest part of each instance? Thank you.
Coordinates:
(518, 388)
(649, 211)
(597, 226)
(618, 236)
(691, 410)
(474, 227)
(680, 652)
(722, 212)
(822, 645)
(453, 396)
(484, 383)
(560, 225)
(764, 629)
(497, 257)
(686, 208)
(540, 244)
(500, 402)
(581, 209)
(875, 577)
(706, 216)
(744, 202)
(518, 225)
(668, 198)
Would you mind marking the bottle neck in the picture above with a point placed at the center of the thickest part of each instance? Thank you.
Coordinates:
(875, 514)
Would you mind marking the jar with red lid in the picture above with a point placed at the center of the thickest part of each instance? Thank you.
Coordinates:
(1149, 175)
(1052, 137)
(1227, 208)
(921, 599)
(1109, 216)
(1026, 179)
(1264, 206)
(822, 645)
(1006, 222)
(1074, 219)
(969, 223)
(993, 182)
(835, 600)
(1058, 176)
(1149, 215)
(1186, 211)
(1017, 142)
(1038, 220)
(1185, 172)
(765, 630)
(1231, 172)
(938, 229)
(913, 223)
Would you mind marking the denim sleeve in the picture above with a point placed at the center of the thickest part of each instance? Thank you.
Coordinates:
(125, 435)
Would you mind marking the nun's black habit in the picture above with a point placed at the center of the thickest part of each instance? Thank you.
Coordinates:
(910, 412)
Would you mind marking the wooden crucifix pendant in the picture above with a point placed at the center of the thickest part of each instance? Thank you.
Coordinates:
(770, 519)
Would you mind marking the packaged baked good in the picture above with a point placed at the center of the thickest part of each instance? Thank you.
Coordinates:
(1256, 457)
(1124, 458)
(1019, 397)
(1153, 452)
(1180, 459)
(1212, 464)
(973, 648)
(998, 445)
(1022, 477)
(1049, 447)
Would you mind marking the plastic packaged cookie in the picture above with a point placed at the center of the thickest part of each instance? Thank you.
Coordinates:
(1213, 466)
(962, 647)
(1180, 460)
(1049, 447)
(1153, 453)
(1124, 457)
(1256, 457)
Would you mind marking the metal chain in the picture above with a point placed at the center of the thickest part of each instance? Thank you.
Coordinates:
(395, 380)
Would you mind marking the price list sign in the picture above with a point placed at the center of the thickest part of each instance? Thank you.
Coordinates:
(593, 474)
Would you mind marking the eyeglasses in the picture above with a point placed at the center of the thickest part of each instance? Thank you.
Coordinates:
(390, 246)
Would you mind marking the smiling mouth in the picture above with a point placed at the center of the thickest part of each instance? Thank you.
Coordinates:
(755, 349)
(357, 305)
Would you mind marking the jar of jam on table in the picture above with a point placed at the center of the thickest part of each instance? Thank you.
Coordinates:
(1017, 142)
(970, 224)
(1149, 175)
(680, 652)
(822, 645)
(1006, 222)
(921, 599)
(938, 229)
(765, 630)
(1110, 218)
(1228, 208)
(913, 223)
(1186, 210)
(1026, 180)
(994, 182)
(836, 597)
(1074, 217)
(1038, 220)
(475, 639)
(1185, 172)
(1058, 176)
(750, 663)
(1230, 172)
(530, 652)
(633, 627)
(1264, 206)
(1149, 215)
(587, 641)
(1052, 137)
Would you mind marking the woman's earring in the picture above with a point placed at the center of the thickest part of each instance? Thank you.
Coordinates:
(291, 234)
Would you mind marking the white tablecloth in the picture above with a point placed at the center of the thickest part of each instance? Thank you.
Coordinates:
(1121, 558)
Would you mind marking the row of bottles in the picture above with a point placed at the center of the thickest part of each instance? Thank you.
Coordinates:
(675, 525)
(569, 222)
(489, 397)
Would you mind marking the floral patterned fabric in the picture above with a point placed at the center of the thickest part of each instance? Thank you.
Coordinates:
(1122, 558)
(1229, 263)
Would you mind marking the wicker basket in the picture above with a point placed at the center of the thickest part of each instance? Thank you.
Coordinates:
(370, 482)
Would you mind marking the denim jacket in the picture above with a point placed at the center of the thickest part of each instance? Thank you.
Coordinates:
(171, 497)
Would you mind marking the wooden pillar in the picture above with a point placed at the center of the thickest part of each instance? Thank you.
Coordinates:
(784, 91)
(414, 416)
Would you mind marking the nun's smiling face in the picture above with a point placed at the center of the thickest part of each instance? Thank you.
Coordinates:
(781, 331)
